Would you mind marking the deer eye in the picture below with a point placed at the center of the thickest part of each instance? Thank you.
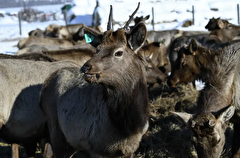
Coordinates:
(118, 53)
(230, 25)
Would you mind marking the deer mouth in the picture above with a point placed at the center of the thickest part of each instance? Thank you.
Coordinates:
(92, 77)
(172, 83)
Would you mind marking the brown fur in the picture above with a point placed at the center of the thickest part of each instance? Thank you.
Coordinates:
(139, 19)
(107, 105)
(37, 48)
(157, 52)
(216, 37)
(153, 74)
(37, 32)
(220, 70)
(83, 52)
(73, 32)
(31, 56)
(43, 41)
(52, 30)
(214, 24)
(166, 36)
(79, 55)
(21, 118)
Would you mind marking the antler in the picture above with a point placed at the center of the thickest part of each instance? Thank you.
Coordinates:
(110, 19)
(131, 17)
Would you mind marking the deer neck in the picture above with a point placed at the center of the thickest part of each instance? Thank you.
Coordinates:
(202, 64)
(129, 109)
(217, 93)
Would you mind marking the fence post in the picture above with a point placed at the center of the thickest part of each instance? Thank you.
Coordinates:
(153, 18)
(238, 14)
(20, 23)
(65, 16)
(193, 15)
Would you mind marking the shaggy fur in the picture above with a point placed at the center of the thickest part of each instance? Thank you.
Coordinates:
(103, 113)
(21, 118)
(219, 69)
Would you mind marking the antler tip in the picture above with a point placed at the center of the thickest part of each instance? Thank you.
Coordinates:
(131, 17)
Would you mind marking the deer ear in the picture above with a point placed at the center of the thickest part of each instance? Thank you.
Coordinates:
(183, 116)
(220, 23)
(92, 36)
(193, 46)
(227, 114)
(147, 17)
(137, 36)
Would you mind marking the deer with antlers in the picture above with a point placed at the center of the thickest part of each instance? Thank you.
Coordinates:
(101, 110)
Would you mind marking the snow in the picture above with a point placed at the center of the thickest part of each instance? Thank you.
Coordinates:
(164, 10)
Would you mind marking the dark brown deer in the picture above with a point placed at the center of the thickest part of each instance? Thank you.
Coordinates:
(188, 65)
(153, 73)
(214, 24)
(218, 101)
(83, 52)
(157, 53)
(226, 33)
(104, 111)
(139, 19)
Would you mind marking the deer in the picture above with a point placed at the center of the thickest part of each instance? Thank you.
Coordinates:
(21, 119)
(101, 109)
(31, 40)
(221, 31)
(218, 103)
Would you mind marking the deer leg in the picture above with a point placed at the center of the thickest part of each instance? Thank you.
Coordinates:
(60, 147)
(15, 151)
(48, 153)
(129, 156)
(236, 142)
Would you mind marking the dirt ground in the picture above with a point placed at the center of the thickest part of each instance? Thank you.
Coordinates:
(167, 136)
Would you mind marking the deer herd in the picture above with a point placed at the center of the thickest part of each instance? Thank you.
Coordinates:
(91, 99)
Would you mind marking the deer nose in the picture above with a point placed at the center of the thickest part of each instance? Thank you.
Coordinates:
(85, 68)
